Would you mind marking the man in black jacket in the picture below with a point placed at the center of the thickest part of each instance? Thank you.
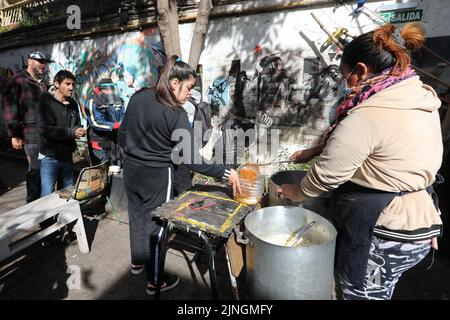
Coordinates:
(59, 125)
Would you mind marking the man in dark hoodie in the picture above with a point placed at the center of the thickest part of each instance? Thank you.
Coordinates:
(59, 125)
(21, 96)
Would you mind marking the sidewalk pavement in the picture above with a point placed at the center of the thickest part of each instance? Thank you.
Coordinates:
(62, 272)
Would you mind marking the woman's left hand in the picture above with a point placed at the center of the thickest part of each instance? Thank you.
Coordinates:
(233, 179)
(292, 192)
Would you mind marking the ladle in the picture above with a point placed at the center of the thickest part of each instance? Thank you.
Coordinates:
(303, 230)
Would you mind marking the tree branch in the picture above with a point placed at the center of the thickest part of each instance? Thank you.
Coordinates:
(168, 26)
(200, 30)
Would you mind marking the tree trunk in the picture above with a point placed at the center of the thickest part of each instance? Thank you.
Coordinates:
(200, 30)
(168, 26)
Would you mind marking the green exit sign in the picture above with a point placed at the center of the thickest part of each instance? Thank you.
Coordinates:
(402, 16)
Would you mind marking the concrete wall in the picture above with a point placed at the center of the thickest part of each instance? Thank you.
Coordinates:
(275, 69)
(278, 68)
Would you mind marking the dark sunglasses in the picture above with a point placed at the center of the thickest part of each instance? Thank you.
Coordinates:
(41, 61)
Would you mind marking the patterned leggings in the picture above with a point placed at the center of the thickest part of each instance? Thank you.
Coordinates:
(387, 261)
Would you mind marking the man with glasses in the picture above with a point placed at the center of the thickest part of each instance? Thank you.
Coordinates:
(20, 98)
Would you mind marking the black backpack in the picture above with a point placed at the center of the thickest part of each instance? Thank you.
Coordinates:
(202, 113)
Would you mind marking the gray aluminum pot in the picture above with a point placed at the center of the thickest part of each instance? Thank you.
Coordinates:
(282, 177)
(278, 272)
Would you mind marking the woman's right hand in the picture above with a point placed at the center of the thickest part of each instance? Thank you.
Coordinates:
(299, 156)
(233, 179)
(302, 156)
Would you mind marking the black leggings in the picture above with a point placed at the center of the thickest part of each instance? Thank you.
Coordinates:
(147, 188)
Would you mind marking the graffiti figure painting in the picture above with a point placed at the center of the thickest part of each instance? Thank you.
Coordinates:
(279, 92)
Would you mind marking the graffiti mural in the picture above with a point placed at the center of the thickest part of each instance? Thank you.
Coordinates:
(130, 60)
(219, 95)
(132, 64)
(278, 92)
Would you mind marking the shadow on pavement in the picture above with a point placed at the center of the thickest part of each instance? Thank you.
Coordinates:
(37, 273)
(13, 173)
(186, 263)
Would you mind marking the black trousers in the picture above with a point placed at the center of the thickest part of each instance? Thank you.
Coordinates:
(147, 188)
(33, 175)
(182, 179)
(113, 154)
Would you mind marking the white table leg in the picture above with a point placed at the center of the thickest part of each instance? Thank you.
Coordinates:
(81, 232)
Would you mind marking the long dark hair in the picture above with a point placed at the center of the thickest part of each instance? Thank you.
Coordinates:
(383, 48)
(174, 69)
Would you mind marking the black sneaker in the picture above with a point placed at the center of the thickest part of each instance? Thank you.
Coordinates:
(137, 269)
(170, 282)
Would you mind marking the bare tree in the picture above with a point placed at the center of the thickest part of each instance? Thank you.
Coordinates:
(168, 27)
(200, 30)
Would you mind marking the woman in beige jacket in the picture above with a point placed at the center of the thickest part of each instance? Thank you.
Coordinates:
(381, 157)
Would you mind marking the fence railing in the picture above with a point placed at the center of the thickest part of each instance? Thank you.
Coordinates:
(14, 14)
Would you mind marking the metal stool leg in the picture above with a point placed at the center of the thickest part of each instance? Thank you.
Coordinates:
(211, 265)
(114, 210)
(162, 260)
(232, 277)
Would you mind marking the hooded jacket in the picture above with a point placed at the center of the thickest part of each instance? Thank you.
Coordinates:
(104, 120)
(391, 142)
(57, 123)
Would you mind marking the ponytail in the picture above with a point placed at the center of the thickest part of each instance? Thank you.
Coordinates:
(174, 69)
(412, 36)
(385, 47)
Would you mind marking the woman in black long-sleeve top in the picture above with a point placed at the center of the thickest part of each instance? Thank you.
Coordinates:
(145, 135)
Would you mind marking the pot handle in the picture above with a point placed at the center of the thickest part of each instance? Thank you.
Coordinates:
(240, 237)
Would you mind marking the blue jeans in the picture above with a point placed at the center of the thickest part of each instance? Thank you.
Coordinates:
(53, 171)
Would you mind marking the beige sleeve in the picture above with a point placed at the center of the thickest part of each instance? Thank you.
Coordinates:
(351, 143)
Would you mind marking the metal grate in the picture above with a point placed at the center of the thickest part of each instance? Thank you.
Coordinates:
(211, 212)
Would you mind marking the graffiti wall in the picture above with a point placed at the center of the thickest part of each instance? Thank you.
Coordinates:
(281, 70)
(272, 70)
(278, 92)
(131, 60)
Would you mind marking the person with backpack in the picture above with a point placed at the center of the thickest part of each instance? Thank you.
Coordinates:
(199, 114)
(104, 112)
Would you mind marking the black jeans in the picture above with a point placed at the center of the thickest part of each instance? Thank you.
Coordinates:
(33, 175)
(112, 154)
(147, 188)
